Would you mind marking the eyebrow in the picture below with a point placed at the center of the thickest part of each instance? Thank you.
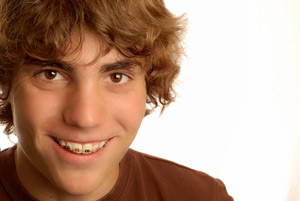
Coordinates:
(57, 64)
(123, 64)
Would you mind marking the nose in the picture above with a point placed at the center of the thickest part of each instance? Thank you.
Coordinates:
(85, 108)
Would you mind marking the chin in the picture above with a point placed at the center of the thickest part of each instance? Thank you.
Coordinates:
(83, 182)
(81, 189)
(78, 188)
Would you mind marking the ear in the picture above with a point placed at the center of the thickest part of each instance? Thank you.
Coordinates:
(5, 84)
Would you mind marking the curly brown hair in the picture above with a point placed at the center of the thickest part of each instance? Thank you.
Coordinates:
(39, 30)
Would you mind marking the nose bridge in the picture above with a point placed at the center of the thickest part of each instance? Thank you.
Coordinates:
(85, 107)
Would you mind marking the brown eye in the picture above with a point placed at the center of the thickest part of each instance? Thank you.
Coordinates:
(50, 79)
(116, 77)
(50, 74)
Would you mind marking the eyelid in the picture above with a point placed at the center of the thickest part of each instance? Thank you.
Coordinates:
(40, 73)
(107, 79)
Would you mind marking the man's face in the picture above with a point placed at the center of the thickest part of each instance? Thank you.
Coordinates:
(91, 107)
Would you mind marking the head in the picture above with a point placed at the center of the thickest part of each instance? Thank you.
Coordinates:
(41, 31)
(86, 72)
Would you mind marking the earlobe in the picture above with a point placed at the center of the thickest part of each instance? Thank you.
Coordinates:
(4, 96)
(5, 86)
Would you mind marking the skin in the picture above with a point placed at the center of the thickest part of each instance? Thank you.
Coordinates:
(89, 99)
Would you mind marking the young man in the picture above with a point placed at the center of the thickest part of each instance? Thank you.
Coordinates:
(76, 77)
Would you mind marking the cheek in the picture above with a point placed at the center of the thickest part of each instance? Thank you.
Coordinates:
(31, 109)
(130, 110)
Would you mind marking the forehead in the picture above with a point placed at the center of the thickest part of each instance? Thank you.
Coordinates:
(86, 48)
(89, 49)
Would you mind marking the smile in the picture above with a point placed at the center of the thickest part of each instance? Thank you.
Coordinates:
(79, 148)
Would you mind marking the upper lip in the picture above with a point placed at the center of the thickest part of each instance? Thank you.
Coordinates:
(81, 141)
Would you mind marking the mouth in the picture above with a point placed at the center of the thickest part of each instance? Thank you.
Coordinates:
(79, 148)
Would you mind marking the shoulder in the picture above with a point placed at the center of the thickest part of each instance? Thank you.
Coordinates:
(7, 156)
(176, 177)
(11, 187)
(6, 172)
(153, 163)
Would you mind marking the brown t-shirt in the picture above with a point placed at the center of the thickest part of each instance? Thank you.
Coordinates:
(142, 178)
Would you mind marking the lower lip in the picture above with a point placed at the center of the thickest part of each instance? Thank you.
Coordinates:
(74, 158)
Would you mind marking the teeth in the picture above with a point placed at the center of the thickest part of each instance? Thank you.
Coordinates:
(62, 143)
(77, 148)
(87, 149)
(96, 148)
(81, 149)
(69, 146)
(102, 144)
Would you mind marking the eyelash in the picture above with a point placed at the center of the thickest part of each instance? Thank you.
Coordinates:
(109, 78)
(122, 76)
(44, 77)
(56, 77)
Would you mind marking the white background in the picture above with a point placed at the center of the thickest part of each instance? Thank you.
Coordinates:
(238, 111)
